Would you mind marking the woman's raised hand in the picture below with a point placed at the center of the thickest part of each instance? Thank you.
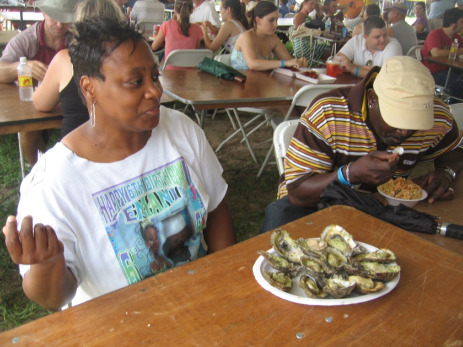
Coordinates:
(32, 244)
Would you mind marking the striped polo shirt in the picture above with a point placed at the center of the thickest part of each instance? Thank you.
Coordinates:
(334, 130)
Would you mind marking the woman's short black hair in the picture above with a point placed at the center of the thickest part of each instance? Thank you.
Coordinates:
(94, 41)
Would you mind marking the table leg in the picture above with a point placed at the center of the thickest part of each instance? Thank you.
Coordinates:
(21, 157)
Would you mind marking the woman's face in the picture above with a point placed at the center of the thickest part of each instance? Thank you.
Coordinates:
(419, 11)
(268, 23)
(129, 97)
(309, 6)
(225, 13)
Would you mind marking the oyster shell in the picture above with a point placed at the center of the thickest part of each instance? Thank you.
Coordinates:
(366, 285)
(338, 288)
(373, 270)
(334, 258)
(280, 264)
(311, 288)
(285, 246)
(337, 237)
(279, 280)
(312, 247)
(380, 256)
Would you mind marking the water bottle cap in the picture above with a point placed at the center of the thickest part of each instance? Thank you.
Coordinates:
(23, 60)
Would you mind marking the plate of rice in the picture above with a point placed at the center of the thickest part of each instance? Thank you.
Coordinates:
(402, 191)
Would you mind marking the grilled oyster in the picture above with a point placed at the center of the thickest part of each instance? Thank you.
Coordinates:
(311, 288)
(380, 256)
(334, 258)
(373, 270)
(280, 264)
(279, 280)
(337, 237)
(285, 246)
(312, 247)
(338, 287)
(366, 285)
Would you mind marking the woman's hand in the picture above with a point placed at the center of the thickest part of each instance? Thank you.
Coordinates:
(296, 63)
(32, 244)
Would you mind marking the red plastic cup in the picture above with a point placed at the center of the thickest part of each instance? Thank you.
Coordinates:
(332, 68)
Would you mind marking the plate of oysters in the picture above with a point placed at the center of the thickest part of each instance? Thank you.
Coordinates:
(328, 271)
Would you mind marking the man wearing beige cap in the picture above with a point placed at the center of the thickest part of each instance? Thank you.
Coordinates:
(348, 135)
(39, 43)
(400, 29)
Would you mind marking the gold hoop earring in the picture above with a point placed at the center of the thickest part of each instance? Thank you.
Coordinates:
(92, 115)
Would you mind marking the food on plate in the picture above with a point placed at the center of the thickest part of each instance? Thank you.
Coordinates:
(291, 68)
(333, 266)
(401, 188)
(311, 74)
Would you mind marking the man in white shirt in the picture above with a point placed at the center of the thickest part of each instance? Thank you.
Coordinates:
(400, 29)
(147, 13)
(205, 11)
(373, 48)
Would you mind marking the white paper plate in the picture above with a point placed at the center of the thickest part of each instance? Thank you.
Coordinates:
(322, 78)
(284, 71)
(298, 296)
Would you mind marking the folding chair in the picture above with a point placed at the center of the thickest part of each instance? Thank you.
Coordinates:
(260, 113)
(281, 139)
(303, 98)
(187, 58)
(415, 52)
(457, 112)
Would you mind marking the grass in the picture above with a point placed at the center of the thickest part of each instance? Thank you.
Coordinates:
(247, 197)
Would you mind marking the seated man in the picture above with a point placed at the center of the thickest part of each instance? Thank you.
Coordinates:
(373, 48)
(438, 43)
(39, 43)
(204, 11)
(400, 29)
(348, 134)
(147, 13)
(437, 9)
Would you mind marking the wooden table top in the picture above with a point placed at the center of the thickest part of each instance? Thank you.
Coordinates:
(457, 63)
(16, 115)
(205, 91)
(6, 36)
(217, 301)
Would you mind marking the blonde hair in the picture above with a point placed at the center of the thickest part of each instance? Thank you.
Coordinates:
(93, 9)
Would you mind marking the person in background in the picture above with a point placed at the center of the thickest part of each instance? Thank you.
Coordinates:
(437, 9)
(39, 43)
(307, 7)
(373, 48)
(233, 13)
(283, 8)
(124, 7)
(400, 29)
(58, 85)
(332, 10)
(147, 13)
(72, 251)
(259, 48)
(421, 25)
(178, 33)
(348, 134)
(204, 11)
(370, 10)
(438, 44)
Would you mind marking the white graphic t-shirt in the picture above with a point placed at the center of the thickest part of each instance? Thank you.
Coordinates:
(124, 221)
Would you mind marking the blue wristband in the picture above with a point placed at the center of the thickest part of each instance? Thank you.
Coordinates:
(356, 72)
(341, 177)
(282, 63)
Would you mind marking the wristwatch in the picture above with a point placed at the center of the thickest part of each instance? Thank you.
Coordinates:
(450, 172)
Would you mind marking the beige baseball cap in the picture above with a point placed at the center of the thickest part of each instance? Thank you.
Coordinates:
(405, 90)
(60, 10)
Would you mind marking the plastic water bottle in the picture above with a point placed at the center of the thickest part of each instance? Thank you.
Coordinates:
(328, 24)
(453, 50)
(25, 80)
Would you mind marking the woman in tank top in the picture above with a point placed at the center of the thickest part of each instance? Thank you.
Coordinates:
(233, 14)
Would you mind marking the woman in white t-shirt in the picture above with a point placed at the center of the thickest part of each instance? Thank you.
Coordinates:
(86, 205)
